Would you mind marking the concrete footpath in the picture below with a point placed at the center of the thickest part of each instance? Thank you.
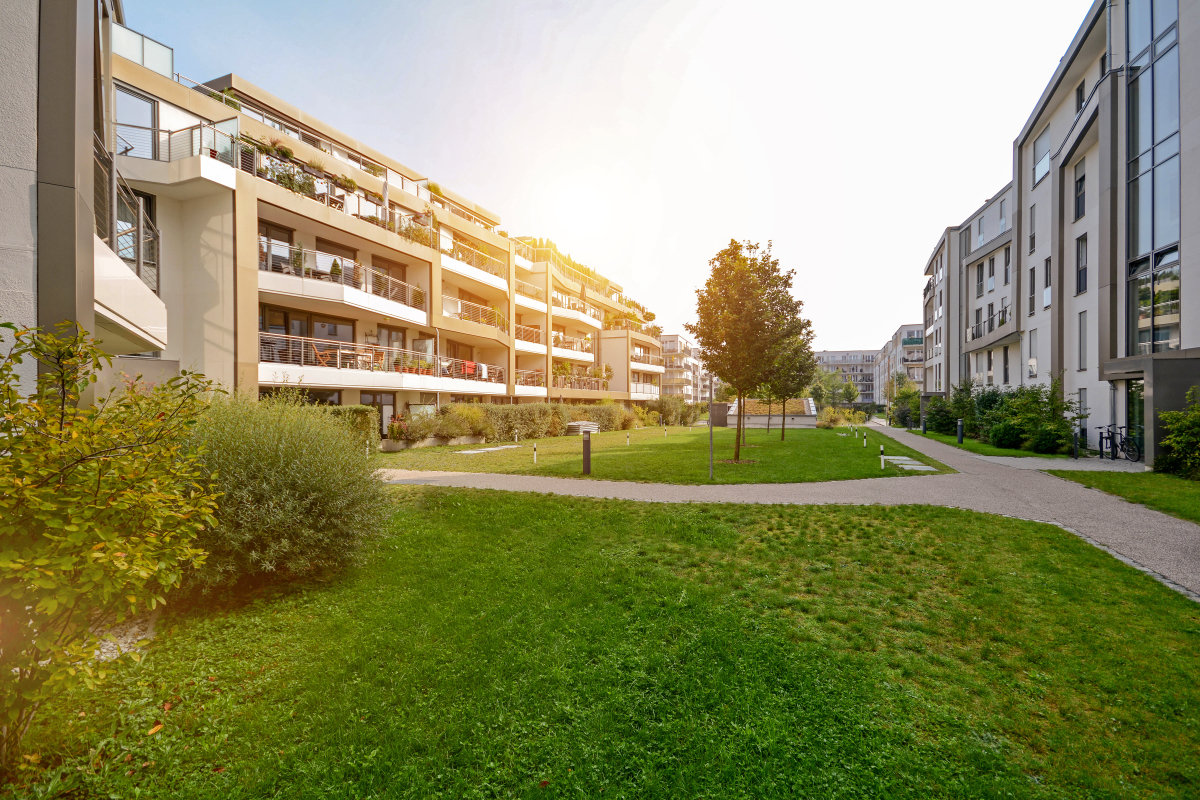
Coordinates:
(1163, 546)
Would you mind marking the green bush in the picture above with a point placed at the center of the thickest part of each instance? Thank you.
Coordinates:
(1046, 439)
(1005, 434)
(363, 420)
(101, 507)
(609, 416)
(1179, 448)
(527, 420)
(939, 418)
(298, 491)
(414, 427)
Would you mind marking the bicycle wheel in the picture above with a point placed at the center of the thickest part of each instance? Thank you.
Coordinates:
(1132, 451)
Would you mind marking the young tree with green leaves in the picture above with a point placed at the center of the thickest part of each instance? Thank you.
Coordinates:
(794, 371)
(849, 392)
(99, 509)
(745, 313)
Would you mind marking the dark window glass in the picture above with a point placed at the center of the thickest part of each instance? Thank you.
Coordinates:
(1140, 196)
(1140, 113)
(1139, 26)
(1166, 203)
(1080, 96)
(1166, 95)
(1081, 265)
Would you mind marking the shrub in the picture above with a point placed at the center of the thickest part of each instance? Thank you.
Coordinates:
(1179, 447)
(1046, 439)
(831, 417)
(100, 510)
(298, 491)
(526, 420)
(414, 427)
(609, 416)
(1005, 434)
(939, 418)
(363, 420)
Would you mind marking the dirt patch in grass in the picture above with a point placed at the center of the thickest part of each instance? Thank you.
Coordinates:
(743, 461)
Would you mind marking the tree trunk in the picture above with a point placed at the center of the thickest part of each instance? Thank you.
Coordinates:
(737, 440)
(770, 402)
(783, 425)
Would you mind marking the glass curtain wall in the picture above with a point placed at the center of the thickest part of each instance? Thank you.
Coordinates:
(1153, 222)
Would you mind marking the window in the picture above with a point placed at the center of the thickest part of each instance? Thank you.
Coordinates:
(1080, 96)
(1032, 227)
(1082, 340)
(137, 118)
(1005, 362)
(1081, 264)
(1080, 185)
(1046, 286)
(991, 317)
(1041, 157)
(981, 240)
(979, 280)
(1153, 228)
(274, 247)
(1032, 287)
(1003, 216)
(989, 367)
(1007, 264)
(1033, 348)
(991, 282)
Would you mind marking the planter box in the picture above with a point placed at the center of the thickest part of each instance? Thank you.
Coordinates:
(396, 445)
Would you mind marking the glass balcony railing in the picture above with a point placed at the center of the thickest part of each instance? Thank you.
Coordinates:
(530, 377)
(466, 254)
(564, 342)
(529, 290)
(646, 358)
(311, 352)
(473, 312)
(290, 260)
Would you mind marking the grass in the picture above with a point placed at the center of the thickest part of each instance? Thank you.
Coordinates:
(1166, 493)
(983, 448)
(680, 457)
(508, 645)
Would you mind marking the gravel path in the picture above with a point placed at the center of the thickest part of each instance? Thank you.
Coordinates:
(1163, 546)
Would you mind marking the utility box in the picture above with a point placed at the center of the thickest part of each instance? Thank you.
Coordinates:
(719, 414)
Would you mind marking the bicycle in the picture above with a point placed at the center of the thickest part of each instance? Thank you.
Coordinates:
(1113, 441)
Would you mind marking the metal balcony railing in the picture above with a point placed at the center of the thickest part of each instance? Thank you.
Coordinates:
(575, 304)
(523, 250)
(580, 382)
(303, 351)
(464, 253)
(267, 163)
(564, 342)
(646, 358)
(528, 334)
(624, 325)
(121, 219)
(529, 290)
(644, 388)
(291, 260)
(530, 377)
(473, 312)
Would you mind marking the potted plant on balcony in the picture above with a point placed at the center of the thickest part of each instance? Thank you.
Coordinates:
(336, 270)
(372, 169)
(315, 167)
(345, 183)
(435, 189)
(298, 263)
(281, 150)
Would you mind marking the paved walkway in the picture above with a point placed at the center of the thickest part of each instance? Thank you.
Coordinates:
(1161, 545)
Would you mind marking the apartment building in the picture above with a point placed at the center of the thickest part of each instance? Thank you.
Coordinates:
(1081, 271)
(903, 353)
(855, 366)
(216, 227)
(685, 376)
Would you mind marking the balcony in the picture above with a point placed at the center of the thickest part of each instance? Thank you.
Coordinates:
(580, 382)
(588, 314)
(122, 222)
(531, 291)
(391, 365)
(314, 265)
(992, 323)
(524, 333)
(274, 166)
(530, 377)
(644, 388)
(464, 253)
(646, 358)
(572, 344)
(912, 341)
(473, 312)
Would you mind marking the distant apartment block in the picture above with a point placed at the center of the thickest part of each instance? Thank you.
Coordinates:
(855, 366)
(685, 374)
(903, 353)
(1078, 269)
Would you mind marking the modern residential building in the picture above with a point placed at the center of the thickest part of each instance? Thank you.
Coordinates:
(216, 227)
(1081, 272)
(855, 366)
(684, 373)
(903, 353)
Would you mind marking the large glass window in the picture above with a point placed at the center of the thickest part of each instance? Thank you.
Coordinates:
(1081, 264)
(137, 116)
(1153, 222)
(1041, 156)
(1080, 189)
(1135, 412)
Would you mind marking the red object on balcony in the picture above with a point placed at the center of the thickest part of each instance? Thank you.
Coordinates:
(468, 367)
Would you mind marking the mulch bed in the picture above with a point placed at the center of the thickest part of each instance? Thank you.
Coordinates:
(743, 461)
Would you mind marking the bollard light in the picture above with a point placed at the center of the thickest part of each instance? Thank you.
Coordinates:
(882, 463)
(535, 453)
(960, 431)
(587, 452)
(627, 438)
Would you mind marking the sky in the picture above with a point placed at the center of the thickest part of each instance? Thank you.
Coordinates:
(643, 136)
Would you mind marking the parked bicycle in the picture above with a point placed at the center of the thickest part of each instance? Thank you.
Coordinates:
(1114, 441)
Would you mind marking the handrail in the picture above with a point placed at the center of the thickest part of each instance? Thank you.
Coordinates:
(441, 201)
(644, 388)
(523, 249)
(463, 252)
(207, 140)
(277, 348)
(121, 220)
(530, 377)
(292, 260)
(575, 304)
(529, 290)
(624, 325)
(564, 342)
(646, 358)
(473, 312)
(580, 382)
(528, 334)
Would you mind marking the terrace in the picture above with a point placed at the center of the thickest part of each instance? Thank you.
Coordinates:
(287, 259)
(473, 312)
(646, 358)
(524, 333)
(564, 342)
(471, 256)
(122, 222)
(531, 291)
(311, 352)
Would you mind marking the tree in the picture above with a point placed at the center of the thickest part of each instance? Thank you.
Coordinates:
(99, 509)
(827, 388)
(794, 371)
(849, 392)
(745, 313)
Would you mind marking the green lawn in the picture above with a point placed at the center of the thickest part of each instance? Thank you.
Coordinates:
(981, 448)
(806, 454)
(1166, 493)
(509, 645)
